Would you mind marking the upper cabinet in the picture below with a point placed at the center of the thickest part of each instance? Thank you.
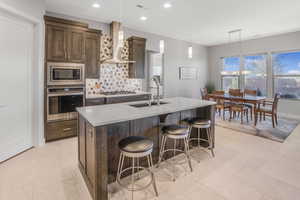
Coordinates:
(92, 53)
(76, 45)
(56, 43)
(137, 50)
(65, 40)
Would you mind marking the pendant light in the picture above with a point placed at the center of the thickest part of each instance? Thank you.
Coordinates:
(240, 51)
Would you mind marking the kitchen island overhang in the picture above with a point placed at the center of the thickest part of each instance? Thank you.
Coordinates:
(102, 127)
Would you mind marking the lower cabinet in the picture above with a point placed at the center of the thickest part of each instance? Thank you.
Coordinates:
(94, 102)
(81, 144)
(90, 154)
(123, 99)
(61, 129)
(87, 154)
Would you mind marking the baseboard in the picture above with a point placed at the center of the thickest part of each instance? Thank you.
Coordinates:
(290, 116)
(8, 155)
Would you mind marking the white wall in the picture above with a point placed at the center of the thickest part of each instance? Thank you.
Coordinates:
(284, 42)
(33, 11)
(175, 56)
(34, 8)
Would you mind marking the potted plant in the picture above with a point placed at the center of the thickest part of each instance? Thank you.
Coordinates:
(210, 87)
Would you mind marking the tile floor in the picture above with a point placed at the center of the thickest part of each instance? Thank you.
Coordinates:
(245, 167)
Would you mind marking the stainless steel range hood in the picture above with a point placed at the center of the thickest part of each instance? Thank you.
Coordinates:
(115, 28)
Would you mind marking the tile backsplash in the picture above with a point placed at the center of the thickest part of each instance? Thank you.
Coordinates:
(113, 77)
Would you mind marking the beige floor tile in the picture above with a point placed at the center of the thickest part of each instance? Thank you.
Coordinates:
(245, 167)
(269, 186)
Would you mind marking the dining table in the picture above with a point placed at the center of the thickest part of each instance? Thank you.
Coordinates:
(254, 100)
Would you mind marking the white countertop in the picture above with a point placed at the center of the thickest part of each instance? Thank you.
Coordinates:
(97, 96)
(115, 113)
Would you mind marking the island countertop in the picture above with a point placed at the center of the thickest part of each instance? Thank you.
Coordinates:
(115, 113)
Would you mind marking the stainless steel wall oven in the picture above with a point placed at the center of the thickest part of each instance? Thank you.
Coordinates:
(62, 102)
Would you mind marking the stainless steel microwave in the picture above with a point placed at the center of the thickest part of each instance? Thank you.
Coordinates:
(65, 74)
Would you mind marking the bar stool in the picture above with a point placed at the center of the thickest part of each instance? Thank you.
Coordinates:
(175, 132)
(201, 124)
(134, 148)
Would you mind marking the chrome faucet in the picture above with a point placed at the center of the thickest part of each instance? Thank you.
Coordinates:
(156, 80)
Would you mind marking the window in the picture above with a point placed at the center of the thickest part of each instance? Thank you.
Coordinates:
(230, 73)
(255, 73)
(286, 70)
(190, 52)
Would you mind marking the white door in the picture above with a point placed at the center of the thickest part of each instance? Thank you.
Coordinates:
(16, 41)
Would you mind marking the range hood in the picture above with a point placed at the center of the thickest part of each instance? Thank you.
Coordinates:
(117, 40)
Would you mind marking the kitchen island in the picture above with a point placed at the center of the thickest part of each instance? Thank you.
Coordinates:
(102, 127)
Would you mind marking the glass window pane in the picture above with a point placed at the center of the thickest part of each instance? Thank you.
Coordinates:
(255, 73)
(231, 66)
(288, 87)
(286, 63)
(230, 82)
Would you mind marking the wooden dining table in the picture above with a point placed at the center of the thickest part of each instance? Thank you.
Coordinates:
(255, 100)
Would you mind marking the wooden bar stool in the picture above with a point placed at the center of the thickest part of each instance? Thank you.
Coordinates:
(134, 148)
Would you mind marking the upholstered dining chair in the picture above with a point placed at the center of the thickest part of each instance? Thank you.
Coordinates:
(250, 93)
(222, 105)
(268, 108)
(238, 106)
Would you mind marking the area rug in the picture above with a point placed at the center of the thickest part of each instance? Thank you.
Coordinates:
(263, 129)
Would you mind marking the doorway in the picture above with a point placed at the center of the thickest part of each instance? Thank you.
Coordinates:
(16, 96)
(156, 68)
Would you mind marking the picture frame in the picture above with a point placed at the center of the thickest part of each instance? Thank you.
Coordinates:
(188, 73)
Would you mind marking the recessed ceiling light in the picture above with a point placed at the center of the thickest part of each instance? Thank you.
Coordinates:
(143, 18)
(96, 5)
(167, 5)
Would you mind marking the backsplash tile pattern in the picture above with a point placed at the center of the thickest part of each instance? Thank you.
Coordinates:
(113, 77)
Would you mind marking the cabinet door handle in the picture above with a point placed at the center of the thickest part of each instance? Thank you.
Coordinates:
(67, 129)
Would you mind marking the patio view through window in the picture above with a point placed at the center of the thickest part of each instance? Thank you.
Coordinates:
(252, 73)
(230, 73)
(286, 70)
(255, 73)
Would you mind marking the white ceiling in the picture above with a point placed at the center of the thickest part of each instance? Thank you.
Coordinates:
(206, 22)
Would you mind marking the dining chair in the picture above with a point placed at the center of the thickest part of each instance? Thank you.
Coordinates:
(221, 103)
(234, 91)
(268, 108)
(248, 92)
(238, 106)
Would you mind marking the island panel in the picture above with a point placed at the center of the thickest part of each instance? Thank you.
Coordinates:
(104, 140)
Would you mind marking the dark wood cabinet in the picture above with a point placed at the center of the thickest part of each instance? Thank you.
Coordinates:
(61, 129)
(105, 139)
(76, 47)
(137, 51)
(56, 43)
(95, 102)
(122, 99)
(92, 54)
(65, 40)
(90, 154)
(81, 144)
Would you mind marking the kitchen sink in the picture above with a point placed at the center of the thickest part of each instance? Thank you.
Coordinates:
(153, 103)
